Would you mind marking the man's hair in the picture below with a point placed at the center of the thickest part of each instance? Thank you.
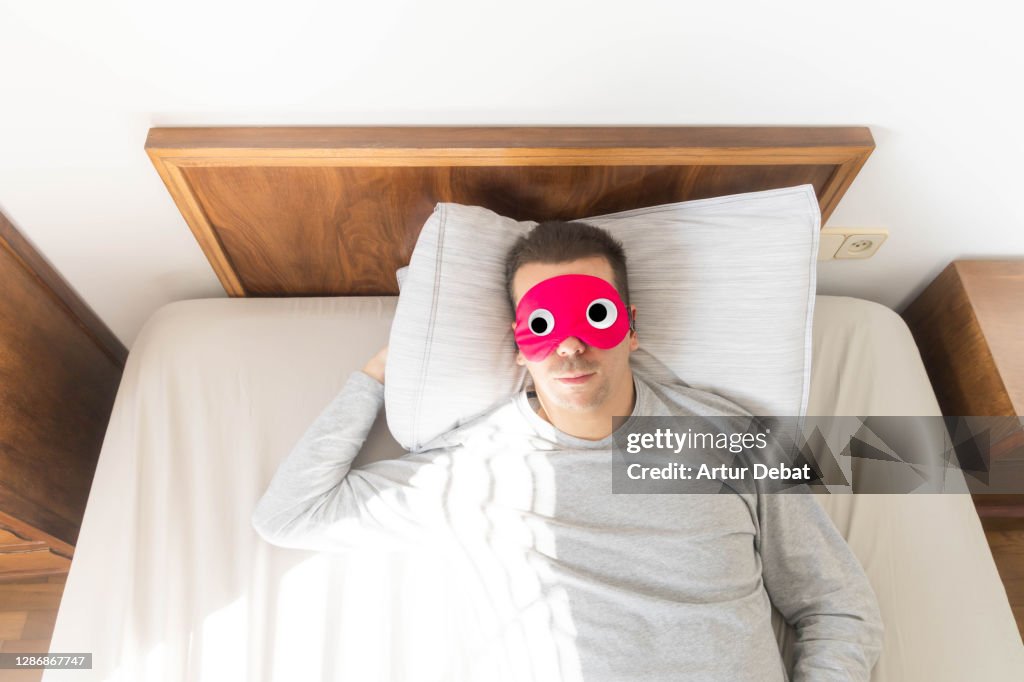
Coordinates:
(559, 241)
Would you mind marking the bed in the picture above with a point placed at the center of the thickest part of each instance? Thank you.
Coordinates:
(169, 580)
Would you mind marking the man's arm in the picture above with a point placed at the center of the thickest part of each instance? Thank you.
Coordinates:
(817, 584)
(316, 501)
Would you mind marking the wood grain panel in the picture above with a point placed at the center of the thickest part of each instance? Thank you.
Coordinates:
(28, 630)
(969, 326)
(59, 371)
(1008, 552)
(324, 230)
(327, 140)
(312, 232)
(29, 553)
(30, 597)
(954, 349)
(996, 290)
(37, 562)
(335, 211)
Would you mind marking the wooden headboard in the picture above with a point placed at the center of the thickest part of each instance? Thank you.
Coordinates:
(335, 211)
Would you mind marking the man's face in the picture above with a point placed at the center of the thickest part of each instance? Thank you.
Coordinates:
(602, 373)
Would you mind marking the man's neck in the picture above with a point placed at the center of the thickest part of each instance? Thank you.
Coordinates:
(590, 426)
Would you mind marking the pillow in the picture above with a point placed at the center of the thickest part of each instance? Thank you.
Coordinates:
(724, 290)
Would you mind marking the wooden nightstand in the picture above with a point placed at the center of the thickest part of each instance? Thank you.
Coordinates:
(969, 326)
(60, 367)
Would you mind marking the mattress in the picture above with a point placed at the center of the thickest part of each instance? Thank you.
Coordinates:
(170, 582)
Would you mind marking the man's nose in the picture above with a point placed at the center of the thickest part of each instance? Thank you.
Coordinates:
(571, 346)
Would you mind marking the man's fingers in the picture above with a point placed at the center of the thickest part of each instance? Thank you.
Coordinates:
(375, 366)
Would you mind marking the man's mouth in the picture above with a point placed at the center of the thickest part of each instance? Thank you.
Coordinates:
(575, 378)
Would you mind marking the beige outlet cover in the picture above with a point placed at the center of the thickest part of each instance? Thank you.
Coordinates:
(828, 244)
(860, 245)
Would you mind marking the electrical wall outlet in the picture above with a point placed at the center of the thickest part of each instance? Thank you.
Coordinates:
(850, 242)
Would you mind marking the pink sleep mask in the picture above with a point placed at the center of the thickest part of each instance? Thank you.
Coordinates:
(583, 306)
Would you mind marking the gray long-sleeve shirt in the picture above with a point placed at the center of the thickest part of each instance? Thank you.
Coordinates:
(570, 581)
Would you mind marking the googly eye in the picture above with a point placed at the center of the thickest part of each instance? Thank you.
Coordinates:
(602, 313)
(541, 322)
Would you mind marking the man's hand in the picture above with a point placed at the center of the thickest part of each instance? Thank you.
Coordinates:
(375, 366)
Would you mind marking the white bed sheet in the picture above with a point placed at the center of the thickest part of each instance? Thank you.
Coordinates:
(170, 582)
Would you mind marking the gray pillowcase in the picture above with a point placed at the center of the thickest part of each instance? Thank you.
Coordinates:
(724, 290)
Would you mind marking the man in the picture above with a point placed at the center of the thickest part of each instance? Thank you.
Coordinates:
(571, 581)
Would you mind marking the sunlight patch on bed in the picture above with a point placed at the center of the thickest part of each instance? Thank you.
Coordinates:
(301, 609)
(224, 636)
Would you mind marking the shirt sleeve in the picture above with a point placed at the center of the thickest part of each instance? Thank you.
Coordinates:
(818, 585)
(317, 501)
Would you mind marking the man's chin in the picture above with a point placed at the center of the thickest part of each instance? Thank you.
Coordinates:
(576, 401)
(576, 406)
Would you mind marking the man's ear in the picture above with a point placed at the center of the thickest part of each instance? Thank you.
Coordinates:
(520, 360)
(634, 342)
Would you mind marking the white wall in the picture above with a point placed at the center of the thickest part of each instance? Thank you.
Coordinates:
(81, 84)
